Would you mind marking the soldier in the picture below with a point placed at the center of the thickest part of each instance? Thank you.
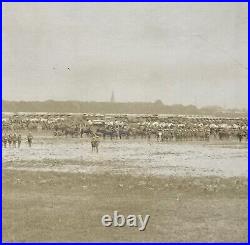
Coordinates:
(240, 135)
(9, 140)
(95, 142)
(81, 131)
(29, 138)
(14, 140)
(19, 140)
(5, 140)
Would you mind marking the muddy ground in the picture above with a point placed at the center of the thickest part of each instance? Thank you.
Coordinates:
(135, 157)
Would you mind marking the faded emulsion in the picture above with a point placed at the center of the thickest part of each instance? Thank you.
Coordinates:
(125, 122)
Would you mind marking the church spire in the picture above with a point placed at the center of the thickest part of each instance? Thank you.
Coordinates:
(112, 99)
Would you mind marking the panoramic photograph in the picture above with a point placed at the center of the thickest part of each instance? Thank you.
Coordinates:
(124, 122)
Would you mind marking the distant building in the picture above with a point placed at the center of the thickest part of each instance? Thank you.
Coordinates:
(112, 99)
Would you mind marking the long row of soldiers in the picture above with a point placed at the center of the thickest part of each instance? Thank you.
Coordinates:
(15, 140)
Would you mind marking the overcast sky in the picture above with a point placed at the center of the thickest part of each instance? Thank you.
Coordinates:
(192, 53)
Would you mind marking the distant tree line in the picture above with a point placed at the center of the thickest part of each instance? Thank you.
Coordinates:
(156, 107)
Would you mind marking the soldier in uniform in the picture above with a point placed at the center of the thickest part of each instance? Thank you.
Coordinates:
(19, 140)
(9, 140)
(29, 138)
(81, 131)
(14, 140)
(5, 140)
(95, 142)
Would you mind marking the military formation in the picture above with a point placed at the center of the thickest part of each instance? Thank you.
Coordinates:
(151, 127)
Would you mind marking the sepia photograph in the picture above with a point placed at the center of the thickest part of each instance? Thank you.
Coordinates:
(125, 122)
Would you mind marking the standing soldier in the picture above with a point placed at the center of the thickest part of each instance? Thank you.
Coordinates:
(9, 140)
(5, 140)
(19, 140)
(81, 130)
(95, 142)
(14, 140)
(29, 138)
(240, 135)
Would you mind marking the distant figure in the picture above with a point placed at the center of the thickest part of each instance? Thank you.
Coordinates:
(95, 143)
(5, 140)
(81, 132)
(29, 138)
(159, 136)
(240, 136)
(14, 140)
(19, 140)
(9, 139)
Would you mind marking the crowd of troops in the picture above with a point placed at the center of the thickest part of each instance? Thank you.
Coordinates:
(175, 128)
(179, 133)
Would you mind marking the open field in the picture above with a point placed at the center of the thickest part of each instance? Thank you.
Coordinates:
(52, 206)
(58, 190)
(125, 122)
(136, 157)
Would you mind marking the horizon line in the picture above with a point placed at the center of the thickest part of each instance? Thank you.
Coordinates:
(123, 102)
